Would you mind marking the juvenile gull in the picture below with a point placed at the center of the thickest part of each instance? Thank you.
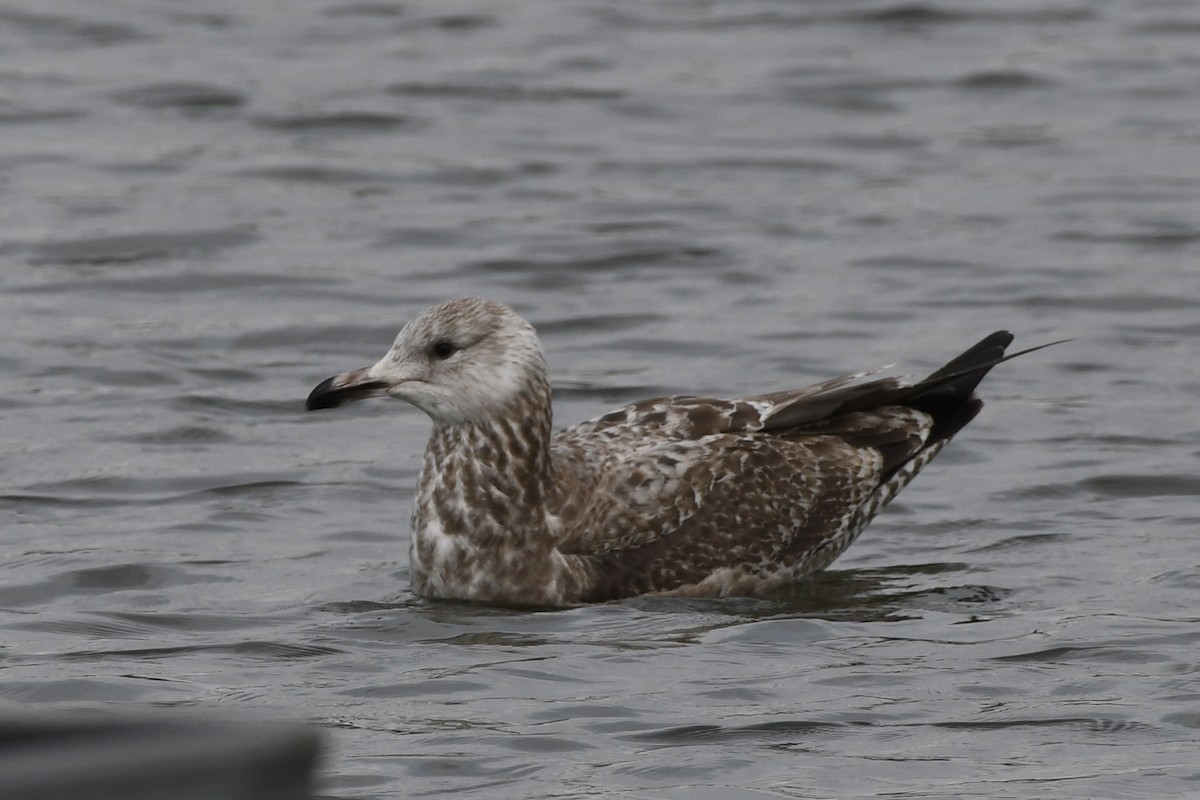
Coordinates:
(684, 495)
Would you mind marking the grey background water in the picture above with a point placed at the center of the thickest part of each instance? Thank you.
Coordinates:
(207, 207)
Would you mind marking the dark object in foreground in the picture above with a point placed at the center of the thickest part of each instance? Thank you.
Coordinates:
(153, 759)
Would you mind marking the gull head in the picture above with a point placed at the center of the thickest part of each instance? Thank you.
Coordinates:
(465, 360)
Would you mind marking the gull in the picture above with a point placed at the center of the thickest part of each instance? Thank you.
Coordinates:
(681, 495)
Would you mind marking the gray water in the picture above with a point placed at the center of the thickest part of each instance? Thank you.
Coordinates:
(208, 207)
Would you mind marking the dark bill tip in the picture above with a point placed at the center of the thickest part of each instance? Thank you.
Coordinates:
(330, 393)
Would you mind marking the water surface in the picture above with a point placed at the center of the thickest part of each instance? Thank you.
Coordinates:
(210, 207)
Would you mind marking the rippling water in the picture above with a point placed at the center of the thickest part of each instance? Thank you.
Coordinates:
(209, 207)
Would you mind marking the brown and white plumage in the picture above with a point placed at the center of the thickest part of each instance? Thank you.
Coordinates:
(683, 495)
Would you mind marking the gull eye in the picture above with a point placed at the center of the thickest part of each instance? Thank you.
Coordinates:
(444, 348)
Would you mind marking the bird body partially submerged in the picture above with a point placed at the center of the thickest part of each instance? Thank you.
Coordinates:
(683, 495)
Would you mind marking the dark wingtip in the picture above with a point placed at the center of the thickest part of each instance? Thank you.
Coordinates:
(975, 362)
(988, 350)
(948, 394)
